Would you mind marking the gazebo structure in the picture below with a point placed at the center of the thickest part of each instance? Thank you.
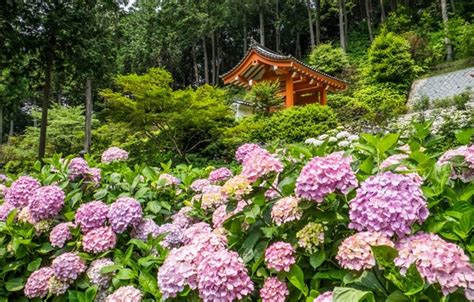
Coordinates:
(299, 83)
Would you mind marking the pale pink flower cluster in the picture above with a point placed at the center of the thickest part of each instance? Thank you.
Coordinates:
(68, 266)
(274, 290)
(125, 294)
(212, 197)
(324, 297)
(395, 160)
(60, 234)
(220, 174)
(168, 180)
(114, 154)
(325, 175)
(46, 202)
(37, 284)
(182, 218)
(237, 187)
(98, 278)
(99, 240)
(285, 210)
(280, 256)
(259, 163)
(243, 150)
(388, 202)
(464, 171)
(438, 261)
(355, 252)
(221, 214)
(199, 184)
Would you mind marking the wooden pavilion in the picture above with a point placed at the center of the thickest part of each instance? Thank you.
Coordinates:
(300, 83)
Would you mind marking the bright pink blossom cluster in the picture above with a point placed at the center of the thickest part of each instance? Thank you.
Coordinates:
(258, 163)
(99, 240)
(68, 267)
(389, 203)
(21, 190)
(463, 171)
(285, 210)
(243, 150)
(324, 175)
(220, 174)
(355, 252)
(91, 215)
(280, 256)
(125, 294)
(60, 234)
(114, 154)
(438, 261)
(274, 290)
(46, 202)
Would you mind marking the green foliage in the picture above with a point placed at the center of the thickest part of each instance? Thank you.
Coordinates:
(349, 109)
(264, 97)
(384, 100)
(328, 58)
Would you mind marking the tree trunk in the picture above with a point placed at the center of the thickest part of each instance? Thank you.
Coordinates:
(88, 125)
(310, 21)
(1, 124)
(213, 59)
(245, 37)
(195, 65)
(206, 63)
(298, 45)
(453, 9)
(382, 11)
(369, 21)
(447, 41)
(318, 21)
(35, 120)
(12, 125)
(277, 27)
(342, 36)
(346, 23)
(45, 106)
(262, 27)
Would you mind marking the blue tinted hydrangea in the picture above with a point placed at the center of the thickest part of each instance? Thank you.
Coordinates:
(220, 174)
(21, 190)
(91, 215)
(113, 154)
(68, 266)
(99, 240)
(125, 294)
(259, 163)
(123, 213)
(145, 228)
(243, 150)
(174, 235)
(98, 278)
(325, 175)
(60, 234)
(274, 290)
(388, 202)
(77, 168)
(37, 284)
(46, 202)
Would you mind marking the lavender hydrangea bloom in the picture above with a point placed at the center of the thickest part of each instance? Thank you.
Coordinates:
(199, 184)
(46, 202)
(145, 228)
(438, 261)
(91, 215)
(3, 178)
(125, 294)
(20, 191)
(37, 284)
(223, 277)
(99, 240)
(178, 271)
(324, 175)
(113, 154)
(124, 212)
(68, 266)
(280, 256)
(5, 210)
(389, 203)
(60, 234)
(169, 180)
(324, 297)
(77, 168)
(259, 163)
(174, 235)
(57, 287)
(94, 176)
(220, 174)
(96, 277)
(285, 210)
(243, 150)
(274, 290)
(465, 171)
(182, 218)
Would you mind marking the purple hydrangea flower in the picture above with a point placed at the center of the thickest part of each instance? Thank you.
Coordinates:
(174, 235)
(199, 184)
(437, 261)
(325, 175)
(389, 203)
(3, 178)
(464, 171)
(285, 210)
(114, 154)
(99, 240)
(324, 297)
(220, 174)
(37, 284)
(355, 253)
(94, 176)
(274, 290)
(222, 276)
(46, 202)
(21, 190)
(60, 234)
(68, 266)
(145, 228)
(280, 256)
(182, 218)
(91, 215)
(243, 150)
(96, 277)
(124, 212)
(259, 163)
(78, 168)
(5, 210)
(125, 294)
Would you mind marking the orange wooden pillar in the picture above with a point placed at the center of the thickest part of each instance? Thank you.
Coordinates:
(290, 96)
(322, 96)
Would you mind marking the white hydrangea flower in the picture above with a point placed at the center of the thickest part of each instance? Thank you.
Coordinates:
(323, 137)
(342, 134)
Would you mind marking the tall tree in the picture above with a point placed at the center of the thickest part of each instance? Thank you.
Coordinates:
(447, 40)
(342, 32)
(310, 20)
(369, 19)
(382, 11)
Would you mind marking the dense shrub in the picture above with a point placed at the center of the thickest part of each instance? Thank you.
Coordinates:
(384, 100)
(350, 110)
(328, 58)
(265, 97)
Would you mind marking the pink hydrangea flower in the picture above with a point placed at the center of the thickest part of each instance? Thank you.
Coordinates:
(182, 218)
(285, 210)
(259, 163)
(395, 160)
(94, 176)
(355, 252)
(389, 203)
(125, 294)
(212, 197)
(68, 266)
(324, 297)
(60, 234)
(91, 215)
(237, 187)
(145, 228)
(174, 235)
(274, 290)
(195, 230)
(169, 180)
(114, 154)
(220, 215)
(223, 277)
(5, 210)
(99, 240)
(438, 261)
(123, 213)
(325, 175)
(37, 284)
(21, 190)
(77, 168)
(280, 256)
(464, 171)
(199, 184)
(98, 278)
(3, 178)
(57, 287)
(243, 150)
(220, 174)
(46, 202)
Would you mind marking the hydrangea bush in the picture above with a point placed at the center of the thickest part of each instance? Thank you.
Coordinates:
(378, 219)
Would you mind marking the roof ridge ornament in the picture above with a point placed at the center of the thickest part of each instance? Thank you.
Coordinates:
(253, 43)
